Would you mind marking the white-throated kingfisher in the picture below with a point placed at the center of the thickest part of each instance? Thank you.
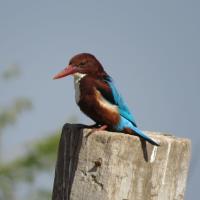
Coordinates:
(98, 98)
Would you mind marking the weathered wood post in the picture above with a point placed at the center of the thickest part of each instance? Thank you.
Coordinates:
(113, 166)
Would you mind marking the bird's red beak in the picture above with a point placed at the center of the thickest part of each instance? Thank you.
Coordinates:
(65, 72)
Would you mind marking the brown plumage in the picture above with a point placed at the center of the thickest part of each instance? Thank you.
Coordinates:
(97, 96)
(93, 104)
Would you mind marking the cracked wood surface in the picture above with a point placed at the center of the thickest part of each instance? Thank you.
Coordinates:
(115, 166)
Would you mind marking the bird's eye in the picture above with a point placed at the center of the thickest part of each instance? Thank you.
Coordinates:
(82, 63)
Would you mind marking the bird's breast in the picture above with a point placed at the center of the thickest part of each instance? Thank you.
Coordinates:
(91, 101)
(98, 108)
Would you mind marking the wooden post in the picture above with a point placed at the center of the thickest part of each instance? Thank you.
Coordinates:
(113, 166)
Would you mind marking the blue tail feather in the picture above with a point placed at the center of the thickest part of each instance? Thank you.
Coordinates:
(144, 136)
(124, 123)
(126, 118)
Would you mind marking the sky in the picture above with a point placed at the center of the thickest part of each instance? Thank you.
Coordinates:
(150, 48)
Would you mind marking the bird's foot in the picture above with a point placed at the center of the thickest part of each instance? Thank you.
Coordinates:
(101, 128)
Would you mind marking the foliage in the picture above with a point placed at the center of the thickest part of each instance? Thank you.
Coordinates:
(9, 115)
(39, 158)
(11, 72)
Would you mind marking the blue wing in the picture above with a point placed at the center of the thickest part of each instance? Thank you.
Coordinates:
(126, 118)
(117, 100)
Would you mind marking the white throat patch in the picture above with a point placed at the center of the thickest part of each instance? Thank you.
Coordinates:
(77, 78)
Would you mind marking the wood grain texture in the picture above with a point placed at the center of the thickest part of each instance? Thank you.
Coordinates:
(114, 166)
(66, 166)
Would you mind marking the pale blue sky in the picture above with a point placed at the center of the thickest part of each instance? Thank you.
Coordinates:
(150, 48)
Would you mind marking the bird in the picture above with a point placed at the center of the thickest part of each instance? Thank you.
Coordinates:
(98, 98)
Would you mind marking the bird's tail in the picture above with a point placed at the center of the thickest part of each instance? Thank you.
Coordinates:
(138, 132)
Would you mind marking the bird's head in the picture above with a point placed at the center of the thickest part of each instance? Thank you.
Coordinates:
(83, 63)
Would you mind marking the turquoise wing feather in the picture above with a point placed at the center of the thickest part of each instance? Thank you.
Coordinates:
(118, 100)
(126, 120)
